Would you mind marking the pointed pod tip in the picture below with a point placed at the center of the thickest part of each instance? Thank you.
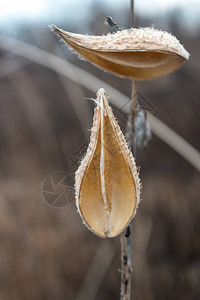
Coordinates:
(53, 27)
(101, 92)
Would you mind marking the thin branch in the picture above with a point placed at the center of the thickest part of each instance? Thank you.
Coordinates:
(126, 236)
(126, 265)
(131, 121)
(61, 66)
(132, 13)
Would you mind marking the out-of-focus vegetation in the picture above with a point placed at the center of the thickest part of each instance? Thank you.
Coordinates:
(46, 253)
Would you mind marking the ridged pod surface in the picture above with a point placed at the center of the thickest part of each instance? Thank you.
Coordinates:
(137, 53)
(107, 183)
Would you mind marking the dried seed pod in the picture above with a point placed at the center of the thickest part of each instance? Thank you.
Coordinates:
(142, 53)
(107, 183)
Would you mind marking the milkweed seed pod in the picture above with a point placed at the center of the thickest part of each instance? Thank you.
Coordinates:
(138, 53)
(107, 184)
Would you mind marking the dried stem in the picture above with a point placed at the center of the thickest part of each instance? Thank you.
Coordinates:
(131, 119)
(132, 13)
(126, 237)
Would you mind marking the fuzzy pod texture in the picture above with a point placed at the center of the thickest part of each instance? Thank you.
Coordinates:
(137, 53)
(107, 183)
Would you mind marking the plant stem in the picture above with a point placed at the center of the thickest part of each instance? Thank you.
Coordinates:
(132, 13)
(126, 237)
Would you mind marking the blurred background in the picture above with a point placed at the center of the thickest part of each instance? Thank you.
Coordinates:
(45, 251)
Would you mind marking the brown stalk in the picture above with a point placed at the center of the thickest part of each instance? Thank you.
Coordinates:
(126, 237)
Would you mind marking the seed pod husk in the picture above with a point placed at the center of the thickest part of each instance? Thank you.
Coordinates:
(137, 53)
(107, 184)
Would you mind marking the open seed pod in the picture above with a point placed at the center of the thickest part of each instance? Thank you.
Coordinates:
(107, 183)
(142, 53)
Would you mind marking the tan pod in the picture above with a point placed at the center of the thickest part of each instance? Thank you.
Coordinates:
(137, 53)
(107, 182)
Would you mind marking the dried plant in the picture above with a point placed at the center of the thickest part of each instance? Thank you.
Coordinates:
(143, 53)
(106, 202)
(107, 181)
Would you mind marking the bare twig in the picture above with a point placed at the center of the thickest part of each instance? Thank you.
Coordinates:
(132, 13)
(126, 237)
(131, 117)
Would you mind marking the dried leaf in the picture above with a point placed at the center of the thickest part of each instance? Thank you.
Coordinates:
(107, 183)
(142, 53)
